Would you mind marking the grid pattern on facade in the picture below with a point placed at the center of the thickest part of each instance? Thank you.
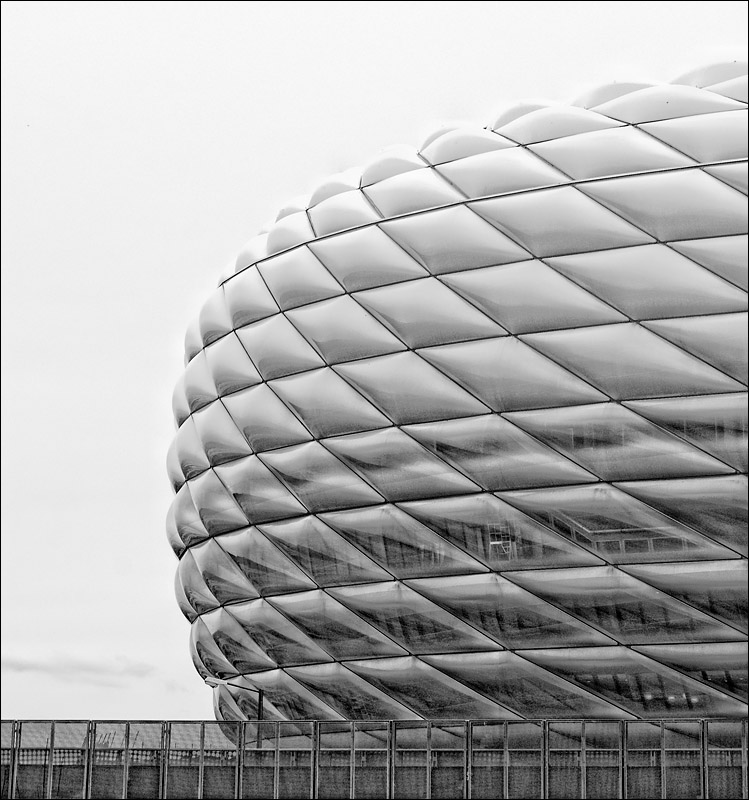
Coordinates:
(465, 434)
(376, 759)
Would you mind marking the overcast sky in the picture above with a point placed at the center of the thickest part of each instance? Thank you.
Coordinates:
(142, 144)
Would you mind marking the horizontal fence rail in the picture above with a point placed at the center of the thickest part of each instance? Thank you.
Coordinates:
(674, 758)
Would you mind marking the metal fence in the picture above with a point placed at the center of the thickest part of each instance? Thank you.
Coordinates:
(599, 759)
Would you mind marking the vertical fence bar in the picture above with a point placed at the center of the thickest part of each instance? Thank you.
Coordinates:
(703, 760)
(391, 760)
(352, 762)
(126, 765)
(545, 758)
(166, 735)
(429, 760)
(743, 759)
(239, 768)
(276, 761)
(506, 762)
(201, 761)
(50, 756)
(15, 744)
(467, 758)
(623, 759)
(663, 761)
(314, 789)
(583, 762)
(88, 764)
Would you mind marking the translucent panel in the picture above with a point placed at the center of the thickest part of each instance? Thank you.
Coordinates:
(207, 658)
(425, 690)
(736, 89)
(640, 281)
(736, 175)
(199, 387)
(334, 185)
(267, 569)
(555, 122)
(605, 92)
(496, 533)
(319, 479)
(411, 191)
(321, 553)
(218, 435)
(193, 586)
(221, 575)
(264, 420)
(611, 523)
(463, 143)
(616, 444)
(336, 629)
(292, 701)
(297, 277)
(712, 73)
(496, 454)
(248, 298)
(327, 404)
(189, 452)
(234, 643)
(501, 171)
(364, 258)
(252, 251)
(193, 342)
(719, 664)
(171, 531)
(636, 683)
(214, 320)
(516, 111)
(348, 694)
(410, 619)
(708, 137)
(345, 210)
(718, 588)
(186, 521)
(398, 467)
(673, 205)
(282, 641)
(628, 362)
(400, 544)
(426, 312)
(573, 223)
(514, 617)
(531, 297)
(453, 239)
(259, 493)
(720, 340)
(716, 507)
(230, 366)
(180, 407)
(717, 423)
(277, 348)
(290, 231)
(407, 389)
(507, 375)
(523, 687)
(726, 256)
(392, 161)
(631, 611)
(664, 102)
(342, 330)
(218, 511)
(611, 152)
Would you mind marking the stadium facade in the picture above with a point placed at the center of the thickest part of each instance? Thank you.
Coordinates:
(464, 434)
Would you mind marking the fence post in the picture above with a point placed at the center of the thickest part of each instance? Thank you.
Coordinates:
(48, 787)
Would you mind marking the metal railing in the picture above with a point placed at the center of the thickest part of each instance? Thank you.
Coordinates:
(674, 758)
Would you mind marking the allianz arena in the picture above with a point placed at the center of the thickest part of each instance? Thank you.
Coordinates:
(464, 435)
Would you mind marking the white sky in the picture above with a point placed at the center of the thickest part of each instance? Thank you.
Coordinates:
(142, 144)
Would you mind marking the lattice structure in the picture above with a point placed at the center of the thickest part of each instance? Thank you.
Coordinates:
(464, 436)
